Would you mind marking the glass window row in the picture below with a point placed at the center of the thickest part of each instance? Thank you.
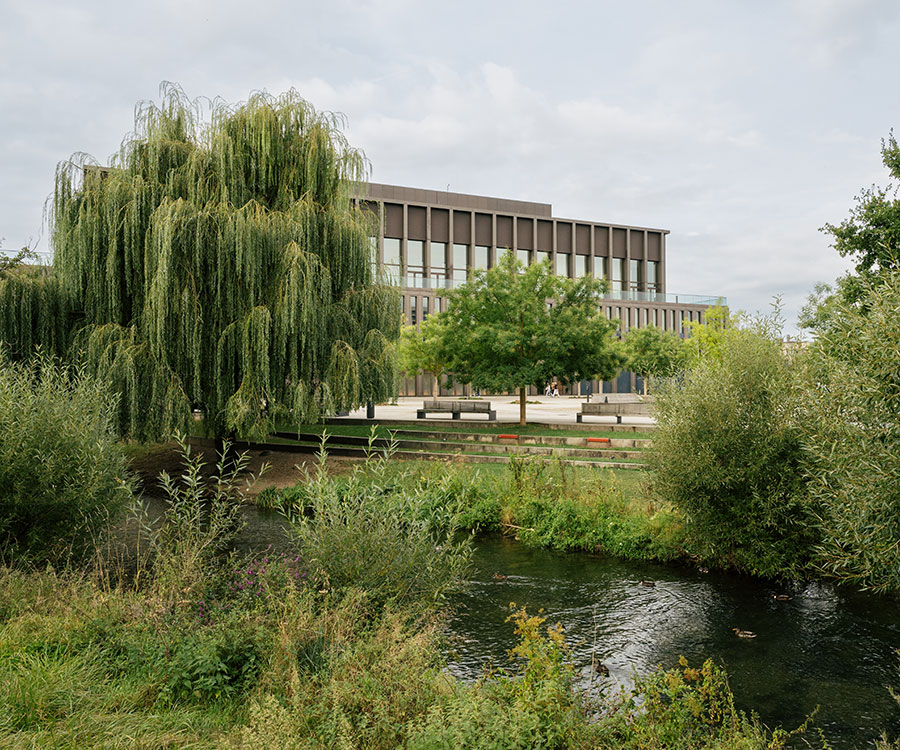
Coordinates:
(445, 263)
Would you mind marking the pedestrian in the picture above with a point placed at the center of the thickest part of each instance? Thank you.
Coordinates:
(548, 389)
(555, 393)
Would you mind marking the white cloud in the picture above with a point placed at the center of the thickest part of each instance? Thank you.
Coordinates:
(740, 128)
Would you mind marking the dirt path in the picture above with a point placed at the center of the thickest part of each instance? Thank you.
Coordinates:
(284, 469)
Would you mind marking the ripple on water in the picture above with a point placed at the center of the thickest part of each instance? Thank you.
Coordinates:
(822, 646)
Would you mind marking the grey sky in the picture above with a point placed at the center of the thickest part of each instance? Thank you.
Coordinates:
(741, 127)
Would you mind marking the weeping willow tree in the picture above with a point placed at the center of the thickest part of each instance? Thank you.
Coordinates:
(220, 263)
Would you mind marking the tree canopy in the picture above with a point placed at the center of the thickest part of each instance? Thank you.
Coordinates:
(654, 353)
(871, 234)
(512, 327)
(424, 349)
(219, 263)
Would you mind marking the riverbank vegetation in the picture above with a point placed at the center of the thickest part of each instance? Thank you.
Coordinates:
(543, 504)
(784, 460)
(337, 643)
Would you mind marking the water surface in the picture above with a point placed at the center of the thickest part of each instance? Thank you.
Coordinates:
(826, 646)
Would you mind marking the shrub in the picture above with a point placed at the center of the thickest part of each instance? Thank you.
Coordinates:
(367, 532)
(728, 453)
(62, 475)
(852, 436)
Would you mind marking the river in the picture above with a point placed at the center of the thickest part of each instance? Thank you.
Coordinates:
(825, 646)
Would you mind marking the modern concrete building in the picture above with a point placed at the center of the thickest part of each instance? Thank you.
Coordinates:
(430, 241)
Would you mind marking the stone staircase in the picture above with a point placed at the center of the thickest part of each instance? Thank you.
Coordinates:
(474, 447)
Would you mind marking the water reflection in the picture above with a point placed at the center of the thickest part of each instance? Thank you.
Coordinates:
(821, 646)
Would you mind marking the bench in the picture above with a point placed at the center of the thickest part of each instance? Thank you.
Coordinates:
(617, 409)
(456, 408)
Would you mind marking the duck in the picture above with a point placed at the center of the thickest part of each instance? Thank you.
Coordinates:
(601, 669)
(703, 569)
(744, 633)
(648, 584)
(499, 577)
(782, 597)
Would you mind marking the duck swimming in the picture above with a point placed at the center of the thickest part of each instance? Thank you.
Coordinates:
(744, 633)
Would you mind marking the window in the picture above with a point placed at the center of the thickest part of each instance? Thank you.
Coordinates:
(635, 275)
(424, 307)
(652, 275)
(392, 259)
(413, 319)
(562, 264)
(581, 266)
(523, 256)
(617, 274)
(540, 256)
(599, 267)
(437, 260)
(460, 262)
(415, 263)
(437, 304)
(480, 258)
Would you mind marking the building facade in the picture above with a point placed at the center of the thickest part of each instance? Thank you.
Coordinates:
(431, 241)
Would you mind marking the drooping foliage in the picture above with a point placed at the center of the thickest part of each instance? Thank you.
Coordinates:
(221, 263)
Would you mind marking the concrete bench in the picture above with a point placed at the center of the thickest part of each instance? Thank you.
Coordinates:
(617, 409)
(456, 408)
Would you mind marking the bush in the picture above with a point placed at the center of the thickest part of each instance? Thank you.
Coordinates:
(853, 436)
(369, 532)
(728, 453)
(62, 475)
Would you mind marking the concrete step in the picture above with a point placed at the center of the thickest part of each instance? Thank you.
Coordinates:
(487, 447)
(353, 451)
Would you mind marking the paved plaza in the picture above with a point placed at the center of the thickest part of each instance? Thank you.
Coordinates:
(539, 410)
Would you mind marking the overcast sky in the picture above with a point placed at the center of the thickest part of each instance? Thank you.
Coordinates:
(742, 127)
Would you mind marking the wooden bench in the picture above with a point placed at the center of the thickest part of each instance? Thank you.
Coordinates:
(456, 408)
(617, 409)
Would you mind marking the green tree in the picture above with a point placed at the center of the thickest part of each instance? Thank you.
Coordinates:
(424, 350)
(871, 234)
(707, 339)
(14, 262)
(653, 353)
(220, 264)
(511, 327)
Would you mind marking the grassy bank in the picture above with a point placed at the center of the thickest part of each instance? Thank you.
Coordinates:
(545, 504)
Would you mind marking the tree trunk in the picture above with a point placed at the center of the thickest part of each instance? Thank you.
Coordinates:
(522, 406)
(436, 387)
